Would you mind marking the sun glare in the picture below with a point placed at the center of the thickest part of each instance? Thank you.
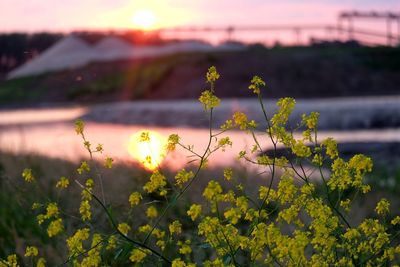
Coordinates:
(144, 19)
(148, 147)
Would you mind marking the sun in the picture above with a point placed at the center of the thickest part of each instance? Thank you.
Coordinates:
(144, 19)
(148, 147)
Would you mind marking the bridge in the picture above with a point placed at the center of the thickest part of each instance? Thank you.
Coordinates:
(344, 30)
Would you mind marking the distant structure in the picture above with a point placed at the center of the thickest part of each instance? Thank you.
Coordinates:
(389, 17)
(72, 52)
(344, 28)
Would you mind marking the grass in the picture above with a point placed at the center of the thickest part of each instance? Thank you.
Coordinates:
(134, 82)
(20, 89)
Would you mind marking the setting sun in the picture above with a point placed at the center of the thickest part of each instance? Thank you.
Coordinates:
(148, 148)
(144, 19)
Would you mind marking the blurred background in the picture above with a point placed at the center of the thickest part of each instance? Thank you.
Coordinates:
(126, 66)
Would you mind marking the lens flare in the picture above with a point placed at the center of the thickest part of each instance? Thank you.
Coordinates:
(148, 147)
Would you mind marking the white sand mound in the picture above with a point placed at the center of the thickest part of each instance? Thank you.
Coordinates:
(70, 52)
(112, 48)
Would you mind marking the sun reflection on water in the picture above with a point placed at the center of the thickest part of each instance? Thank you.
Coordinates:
(148, 148)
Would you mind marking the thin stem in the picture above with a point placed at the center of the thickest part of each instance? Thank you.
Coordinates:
(171, 204)
(97, 171)
(114, 225)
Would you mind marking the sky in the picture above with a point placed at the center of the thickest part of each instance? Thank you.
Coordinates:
(68, 15)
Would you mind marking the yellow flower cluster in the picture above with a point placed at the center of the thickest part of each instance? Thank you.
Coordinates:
(79, 126)
(83, 168)
(151, 212)
(137, 255)
(182, 177)
(11, 261)
(124, 228)
(31, 251)
(173, 140)
(184, 247)
(212, 74)
(255, 85)
(52, 214)
(28, 176)
(382, 208)
(209, 100)
(134, 199)
(157, 183)
(75, 242)
(62, 183)
(175, 227)
(108, 163)
(194, 211)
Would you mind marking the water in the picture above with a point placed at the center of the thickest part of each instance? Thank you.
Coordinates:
(50, 132)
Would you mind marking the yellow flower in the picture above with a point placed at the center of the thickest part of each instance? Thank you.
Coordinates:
(151, 212)
(31, 251)
(180, 263)
(62, 183)
(112, 242)
(36, 205)
(157, 181)
(382, 207)
(108, 162)
(311, 120)
(331, 147)
(87, 145)
(135, 198)
(209, 100)
(51, 210)
(285, 108)
(144, 137)
(212, 191)
(212, 74)
(194, 211)
(224, 142)
(137, 255)
(28, 176)
(173, 140)
(41, 262)
(79, 126)
(256, 83)
(124, 228)
(84, 167)
(240, 120)
(84, 210)
(10, 262)
(228, 173)
(175, 227)
(233, 215)
(74, 242)
(99, 148)
(184, 247)
(183, 176)
(396, 220)
(55, 227)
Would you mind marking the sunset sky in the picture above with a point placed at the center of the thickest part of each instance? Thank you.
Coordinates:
(38, 15)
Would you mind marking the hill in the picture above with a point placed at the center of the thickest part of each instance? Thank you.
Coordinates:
(301, 72)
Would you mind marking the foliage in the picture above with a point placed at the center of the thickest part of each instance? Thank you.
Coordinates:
(290, 222)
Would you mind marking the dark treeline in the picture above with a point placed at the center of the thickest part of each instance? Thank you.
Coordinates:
(17, 48)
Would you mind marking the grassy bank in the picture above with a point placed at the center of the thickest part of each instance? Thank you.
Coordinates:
(301, 72)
